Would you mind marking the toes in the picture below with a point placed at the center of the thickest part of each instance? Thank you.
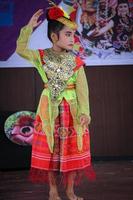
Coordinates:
(54, 198)
(72, 196)
(78, 198)
(58, 198)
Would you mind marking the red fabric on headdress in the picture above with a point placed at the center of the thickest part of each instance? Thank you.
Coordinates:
(54, 13)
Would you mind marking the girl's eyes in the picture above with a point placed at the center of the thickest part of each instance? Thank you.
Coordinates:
(68, 34)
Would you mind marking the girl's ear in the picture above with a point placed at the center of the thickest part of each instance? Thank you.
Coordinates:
(54, 37)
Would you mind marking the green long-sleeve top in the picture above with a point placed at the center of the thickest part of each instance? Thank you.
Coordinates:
(77, 98)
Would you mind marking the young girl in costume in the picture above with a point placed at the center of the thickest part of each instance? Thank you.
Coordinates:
(61, 137)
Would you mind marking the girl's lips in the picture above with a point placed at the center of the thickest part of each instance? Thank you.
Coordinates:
(71, 45)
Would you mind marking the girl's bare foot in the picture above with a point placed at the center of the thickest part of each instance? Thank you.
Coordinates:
(53, 192)
(54, 196)
(72, 196)
(70, 188)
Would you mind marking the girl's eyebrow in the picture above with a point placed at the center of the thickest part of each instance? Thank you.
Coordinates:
(69, 32)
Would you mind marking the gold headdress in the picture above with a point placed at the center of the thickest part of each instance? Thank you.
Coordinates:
(57, 13)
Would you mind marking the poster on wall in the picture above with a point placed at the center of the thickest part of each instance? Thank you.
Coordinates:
(104, 35)
(19, 127)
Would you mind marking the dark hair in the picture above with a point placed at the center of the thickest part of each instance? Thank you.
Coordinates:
(122, 1)
(53, 27)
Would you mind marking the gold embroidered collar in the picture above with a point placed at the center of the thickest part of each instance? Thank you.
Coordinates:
(59, 68)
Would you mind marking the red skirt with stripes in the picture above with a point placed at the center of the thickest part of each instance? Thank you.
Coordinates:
(66, 157)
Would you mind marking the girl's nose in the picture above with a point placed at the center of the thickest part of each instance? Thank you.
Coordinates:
(72, 39)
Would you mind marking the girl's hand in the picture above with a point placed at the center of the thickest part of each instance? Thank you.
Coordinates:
(84, 120)
(34, 19)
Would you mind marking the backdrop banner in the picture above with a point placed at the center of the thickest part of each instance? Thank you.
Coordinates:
(104, 35)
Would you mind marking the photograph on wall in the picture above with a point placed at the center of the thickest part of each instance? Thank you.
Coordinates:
(104, 35)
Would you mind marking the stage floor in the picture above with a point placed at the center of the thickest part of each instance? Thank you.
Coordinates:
(114, 182)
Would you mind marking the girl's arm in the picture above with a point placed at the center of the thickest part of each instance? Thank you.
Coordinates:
(22, 42)
(82, 92)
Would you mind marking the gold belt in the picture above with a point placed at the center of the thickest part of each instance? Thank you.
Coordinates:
(70, 86)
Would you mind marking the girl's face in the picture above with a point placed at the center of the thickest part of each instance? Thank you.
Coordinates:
(123, 9)
(65, 39)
